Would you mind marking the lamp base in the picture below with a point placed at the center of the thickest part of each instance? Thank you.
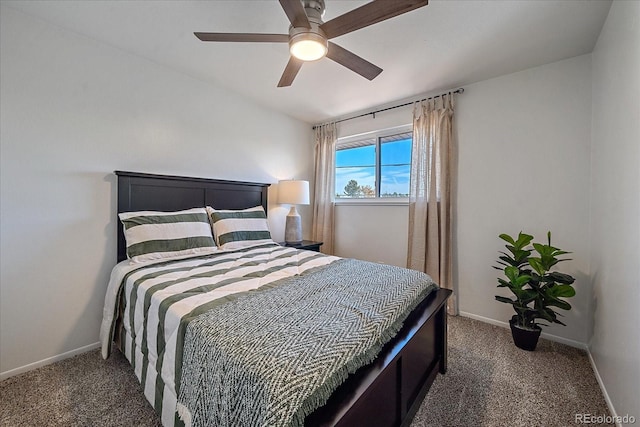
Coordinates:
(293, 227)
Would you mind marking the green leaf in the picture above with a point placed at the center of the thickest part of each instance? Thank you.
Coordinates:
(523, 240)
(503, 253)
(562, 291)
(517, 291)
(561, 278)
(507, 238)
(509, 260)
(522, 280)
(505, 299)
(520, 256)
(512, 273)
(558, 303)
(503, 283)
(536, 264)
(528, 295)
(543, 249)
(548, 263)
(547, 315)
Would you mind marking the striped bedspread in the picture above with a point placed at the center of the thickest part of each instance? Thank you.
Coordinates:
(157, 302)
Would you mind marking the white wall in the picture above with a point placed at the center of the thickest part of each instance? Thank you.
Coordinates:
(523, 165)
(376, 233)
(73, 110)
(615, 207)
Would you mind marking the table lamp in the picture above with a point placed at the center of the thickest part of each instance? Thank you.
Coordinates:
(293, 192)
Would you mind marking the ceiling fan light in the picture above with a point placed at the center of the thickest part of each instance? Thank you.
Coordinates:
(308, 47)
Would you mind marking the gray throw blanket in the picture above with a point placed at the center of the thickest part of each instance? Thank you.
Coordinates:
(273, 356)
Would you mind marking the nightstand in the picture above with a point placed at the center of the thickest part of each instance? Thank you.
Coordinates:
(307, 245)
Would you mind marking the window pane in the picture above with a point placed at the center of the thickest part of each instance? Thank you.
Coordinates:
(394, 181)
(360, 156)
(396, 152)
(363, 171)
(355, 181)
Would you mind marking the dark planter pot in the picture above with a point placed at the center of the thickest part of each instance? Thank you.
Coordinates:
(525, 339)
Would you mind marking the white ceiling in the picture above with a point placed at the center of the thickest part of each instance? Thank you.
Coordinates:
(444, 45)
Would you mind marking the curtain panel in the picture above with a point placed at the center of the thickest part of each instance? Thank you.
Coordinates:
(432, 171)
(324, 185)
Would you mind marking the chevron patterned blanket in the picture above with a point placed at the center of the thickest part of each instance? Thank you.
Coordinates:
(275, 354)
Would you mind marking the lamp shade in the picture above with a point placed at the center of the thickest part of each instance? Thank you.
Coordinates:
(293, 192)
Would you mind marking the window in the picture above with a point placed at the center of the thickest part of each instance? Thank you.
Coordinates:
(374, 166)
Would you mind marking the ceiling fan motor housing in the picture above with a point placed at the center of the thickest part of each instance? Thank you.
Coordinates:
(314, 7)
(314, 10)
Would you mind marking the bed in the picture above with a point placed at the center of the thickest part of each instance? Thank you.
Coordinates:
(385, 391)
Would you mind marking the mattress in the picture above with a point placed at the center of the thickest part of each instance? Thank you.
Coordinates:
(155, 304)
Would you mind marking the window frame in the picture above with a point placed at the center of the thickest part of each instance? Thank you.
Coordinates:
(377, 135)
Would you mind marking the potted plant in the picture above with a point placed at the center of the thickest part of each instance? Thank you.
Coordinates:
(537, 290)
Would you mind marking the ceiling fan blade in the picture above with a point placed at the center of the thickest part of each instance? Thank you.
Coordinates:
(353, 62)
(296, 13)
(369, 14)
(290, 72)
(242, 37)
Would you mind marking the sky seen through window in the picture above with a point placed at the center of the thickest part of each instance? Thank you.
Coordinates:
(359, 164)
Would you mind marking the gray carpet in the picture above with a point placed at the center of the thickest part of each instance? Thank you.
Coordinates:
(489, 383)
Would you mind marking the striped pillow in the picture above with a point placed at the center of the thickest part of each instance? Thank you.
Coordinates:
(235, 229)
(157, 235)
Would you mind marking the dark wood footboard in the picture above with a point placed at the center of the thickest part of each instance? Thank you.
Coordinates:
(389, 391)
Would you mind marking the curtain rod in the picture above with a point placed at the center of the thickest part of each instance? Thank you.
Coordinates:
(373, 113)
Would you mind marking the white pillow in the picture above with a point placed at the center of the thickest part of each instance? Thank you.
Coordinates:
(235, 229)
(156, 235)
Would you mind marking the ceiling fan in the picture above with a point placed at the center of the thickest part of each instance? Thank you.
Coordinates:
(309, 36)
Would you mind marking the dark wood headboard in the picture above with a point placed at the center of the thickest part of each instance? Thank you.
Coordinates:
(149, 192)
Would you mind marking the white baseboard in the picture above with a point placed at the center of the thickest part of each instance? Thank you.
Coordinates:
(550, 337)
(48, 361)
(607, 399)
